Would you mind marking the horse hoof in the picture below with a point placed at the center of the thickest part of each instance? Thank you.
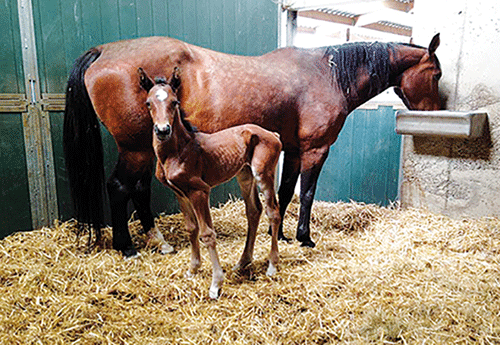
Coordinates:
(241, 266)
(137, 255)
(213, 293)
(308, 243)
(284, 239)
(271, 270)
(129, 252)
(166, 249)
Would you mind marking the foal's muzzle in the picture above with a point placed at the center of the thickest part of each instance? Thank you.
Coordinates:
(162, 132)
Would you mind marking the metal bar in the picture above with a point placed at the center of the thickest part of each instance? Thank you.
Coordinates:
(17, 102)
(53, 101)
(36, 128)
(13, 103)
(291, 27)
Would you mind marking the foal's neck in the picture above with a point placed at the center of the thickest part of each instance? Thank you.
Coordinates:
(179, 140)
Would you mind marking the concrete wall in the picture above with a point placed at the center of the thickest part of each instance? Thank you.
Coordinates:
(459, 177)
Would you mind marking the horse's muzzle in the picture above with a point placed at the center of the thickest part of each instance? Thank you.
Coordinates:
(162, 132)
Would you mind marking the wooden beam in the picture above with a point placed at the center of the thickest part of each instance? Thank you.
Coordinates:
(329, 17)
(36, 130)
(393, 29)
(399, 5)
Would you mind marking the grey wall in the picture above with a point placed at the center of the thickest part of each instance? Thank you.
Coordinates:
(459, 177)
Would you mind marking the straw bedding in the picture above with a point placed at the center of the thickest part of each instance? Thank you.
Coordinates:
(377, 275)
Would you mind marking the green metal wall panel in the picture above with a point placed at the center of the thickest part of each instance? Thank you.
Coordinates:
(11, 67)
(64, 30)
(15, 213)
(363, 164)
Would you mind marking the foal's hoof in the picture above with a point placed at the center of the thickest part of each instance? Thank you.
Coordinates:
(213, 293)
(308, 243)
(241, 266)
(281, 237)
(271, 270)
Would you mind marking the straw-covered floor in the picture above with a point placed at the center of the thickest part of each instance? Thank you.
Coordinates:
(377, 275)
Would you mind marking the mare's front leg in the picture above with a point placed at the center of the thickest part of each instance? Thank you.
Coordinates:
(200, 201)
(312, 161)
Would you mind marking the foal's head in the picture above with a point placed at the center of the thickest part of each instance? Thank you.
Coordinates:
(418, 88)
(162, 102)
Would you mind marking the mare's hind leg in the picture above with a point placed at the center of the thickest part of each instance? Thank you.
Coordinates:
(253, 209)
(131, 180)
(312, 162)
(141, 197)
(289, 176)
(119, 190)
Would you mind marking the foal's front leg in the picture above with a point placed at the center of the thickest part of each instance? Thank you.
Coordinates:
(193, 230)
(200, 201)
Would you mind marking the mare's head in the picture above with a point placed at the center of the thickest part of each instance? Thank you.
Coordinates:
(418, 88)
(162, 102)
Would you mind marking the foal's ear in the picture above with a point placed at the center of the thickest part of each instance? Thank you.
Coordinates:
(434, 44)
(175, 80)
(145, 80)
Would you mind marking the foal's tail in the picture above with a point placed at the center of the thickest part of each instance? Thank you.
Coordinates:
(83, 151)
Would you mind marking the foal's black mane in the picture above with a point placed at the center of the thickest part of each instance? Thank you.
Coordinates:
(346, 59)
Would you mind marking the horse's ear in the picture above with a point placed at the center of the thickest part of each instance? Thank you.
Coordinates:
(145, 80)
(175, 79)
(434, 44)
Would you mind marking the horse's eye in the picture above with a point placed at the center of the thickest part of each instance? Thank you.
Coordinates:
(437, 76)
(148, 104)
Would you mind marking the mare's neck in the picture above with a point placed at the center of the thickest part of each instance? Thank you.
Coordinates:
(401, 57)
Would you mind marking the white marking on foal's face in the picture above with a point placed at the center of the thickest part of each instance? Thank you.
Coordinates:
(161, 95)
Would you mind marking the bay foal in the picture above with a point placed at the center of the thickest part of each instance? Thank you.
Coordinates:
(191, 163)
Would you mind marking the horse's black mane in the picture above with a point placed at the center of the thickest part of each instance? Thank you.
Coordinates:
(188, 125)
(346, 59)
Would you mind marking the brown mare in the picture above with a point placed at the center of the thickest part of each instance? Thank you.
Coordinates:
(304, 95)
(191, 163)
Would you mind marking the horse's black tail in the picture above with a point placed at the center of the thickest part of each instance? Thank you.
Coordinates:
(83, 150)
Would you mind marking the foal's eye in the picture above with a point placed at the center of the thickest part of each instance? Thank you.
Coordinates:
(148, 104)
(437, 76)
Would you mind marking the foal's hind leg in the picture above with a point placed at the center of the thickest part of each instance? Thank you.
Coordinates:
(266, 184)
(289, 177)
(253, 209)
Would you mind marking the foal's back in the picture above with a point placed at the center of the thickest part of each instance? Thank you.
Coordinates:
(227, 151)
